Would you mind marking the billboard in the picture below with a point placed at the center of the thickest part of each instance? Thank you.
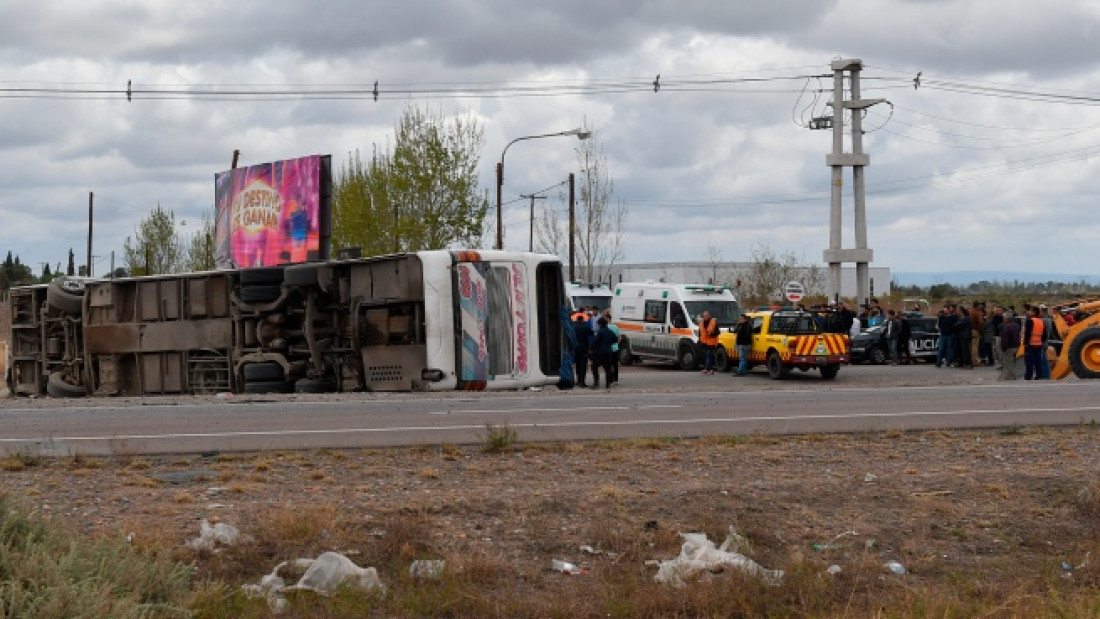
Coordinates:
(273, 213)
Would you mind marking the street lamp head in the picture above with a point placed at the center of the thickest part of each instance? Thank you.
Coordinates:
(580, 133)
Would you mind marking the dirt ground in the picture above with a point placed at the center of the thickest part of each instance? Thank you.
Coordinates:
(985, 504)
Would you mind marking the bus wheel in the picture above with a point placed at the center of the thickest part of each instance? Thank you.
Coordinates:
(58, 387)
(722, 359)
(1084, 354)
(776, 369)
(686, 358)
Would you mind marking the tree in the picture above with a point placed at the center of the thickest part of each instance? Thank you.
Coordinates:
(155, 247)
(361, 212)
(200, 249)
(766, 276)
(599, 223)
(421, 195)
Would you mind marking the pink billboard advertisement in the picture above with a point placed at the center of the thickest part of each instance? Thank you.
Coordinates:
(273, 213)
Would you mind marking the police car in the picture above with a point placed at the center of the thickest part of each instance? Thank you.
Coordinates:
(871, 346)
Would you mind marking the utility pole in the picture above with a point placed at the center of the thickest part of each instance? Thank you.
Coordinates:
(572, 225)
(861, 255)
(531, 231)
(88, 271)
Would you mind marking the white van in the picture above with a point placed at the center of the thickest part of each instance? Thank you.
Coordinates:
(658, 321)
(589, 295)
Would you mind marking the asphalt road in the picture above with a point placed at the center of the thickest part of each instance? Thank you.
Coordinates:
(651, 401)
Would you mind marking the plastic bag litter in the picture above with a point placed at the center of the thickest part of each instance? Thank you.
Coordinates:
(212, 535)
(323, 575)
(699, 553)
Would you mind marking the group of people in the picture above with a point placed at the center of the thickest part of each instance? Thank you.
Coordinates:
(975, 336)
(597, 347)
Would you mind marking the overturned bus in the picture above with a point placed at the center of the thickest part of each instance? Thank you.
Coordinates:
(430, 320)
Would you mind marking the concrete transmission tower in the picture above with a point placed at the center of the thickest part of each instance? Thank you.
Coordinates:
(852, 108)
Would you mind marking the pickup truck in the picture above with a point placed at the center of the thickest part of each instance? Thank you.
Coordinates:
(785, 340)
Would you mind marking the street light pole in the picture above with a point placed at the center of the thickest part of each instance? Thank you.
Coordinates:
(581, 135)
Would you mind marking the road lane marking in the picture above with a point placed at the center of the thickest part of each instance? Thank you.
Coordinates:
(551, 424)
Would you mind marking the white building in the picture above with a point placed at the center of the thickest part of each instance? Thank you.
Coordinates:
(813, 277)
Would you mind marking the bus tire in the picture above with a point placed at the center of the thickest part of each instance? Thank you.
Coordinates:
(1084, 354)
(260, 372)
(268, 386)
(829, 372)
(315, 385)
(776, 369)
(261, 276)
(686, 358)
(63, 300)
(57, 387)
(722, 359)
(301, 275)
(261, 294)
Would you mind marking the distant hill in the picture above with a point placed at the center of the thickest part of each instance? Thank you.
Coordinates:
(965, 278)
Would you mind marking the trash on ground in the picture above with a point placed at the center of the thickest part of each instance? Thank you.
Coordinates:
(834, 569)
(832, 544)
(565, 567)
(323, 575)
(699, 553)
(212, 535)
(894, 567)
(426, 568)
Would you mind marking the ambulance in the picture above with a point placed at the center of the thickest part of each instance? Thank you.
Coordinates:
(659, 321)
(583, 295)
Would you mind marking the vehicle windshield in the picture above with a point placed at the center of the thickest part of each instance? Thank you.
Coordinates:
(793, 323)
(600, 302)
(724, 310)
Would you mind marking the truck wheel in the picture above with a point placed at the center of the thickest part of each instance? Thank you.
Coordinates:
(58, 297)
(722, 359)
(259, 372)
(57, 387)
(1084, 354)
(829, 372)
(776, 369)
(686, 358)
(877, 355)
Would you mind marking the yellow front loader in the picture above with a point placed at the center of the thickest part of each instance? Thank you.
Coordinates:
(1080, 341)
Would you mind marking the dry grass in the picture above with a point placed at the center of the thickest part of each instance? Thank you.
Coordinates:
(983, 522)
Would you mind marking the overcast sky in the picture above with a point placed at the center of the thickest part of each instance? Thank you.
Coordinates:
(991, 164)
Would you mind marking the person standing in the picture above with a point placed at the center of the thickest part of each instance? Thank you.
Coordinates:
(977, 326)
(1008, 341)
(904, 331)
(601, 354)
(892, 331)
(614, 347)
(708, 340)
(1048, 334)
(998, 322)
(1033, 343)
(743, 342)
(964, 337)
(583, 332)
(945, 322)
